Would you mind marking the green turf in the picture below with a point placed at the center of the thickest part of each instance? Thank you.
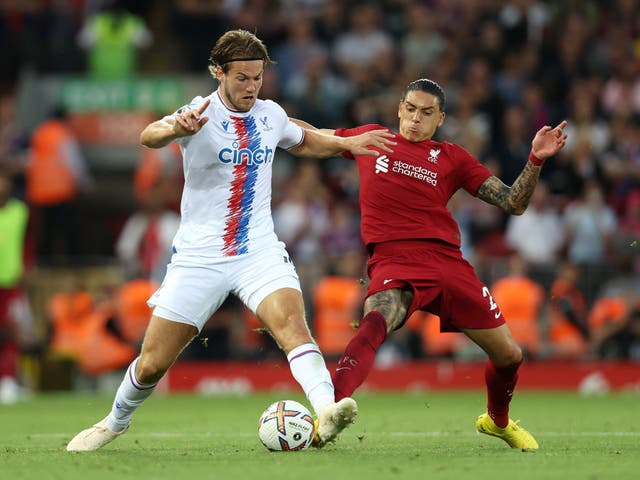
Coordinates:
(427, 435)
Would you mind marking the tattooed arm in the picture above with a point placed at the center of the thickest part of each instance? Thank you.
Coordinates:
(515, 199)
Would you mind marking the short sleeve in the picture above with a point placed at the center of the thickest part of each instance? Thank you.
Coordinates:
(291, 135)
(472, 171)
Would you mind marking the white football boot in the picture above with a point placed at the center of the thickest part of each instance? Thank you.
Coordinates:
(94, 437)
(333, 419)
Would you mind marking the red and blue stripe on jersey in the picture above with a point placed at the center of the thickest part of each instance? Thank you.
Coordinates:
(240, 203)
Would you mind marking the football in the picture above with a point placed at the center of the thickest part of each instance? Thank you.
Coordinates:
(286, 426)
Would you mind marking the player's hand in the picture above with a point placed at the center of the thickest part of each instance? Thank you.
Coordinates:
(548, 141)
(191, 121)
(370, 143)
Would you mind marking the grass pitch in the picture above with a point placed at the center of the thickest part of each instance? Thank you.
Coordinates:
(403, 436)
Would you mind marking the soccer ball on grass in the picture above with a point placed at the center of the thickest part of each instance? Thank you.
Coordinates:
(286, 425)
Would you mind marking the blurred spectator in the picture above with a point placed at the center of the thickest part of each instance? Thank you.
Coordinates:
(569, 173)
(623, 342)
(468, 126)
(605, 318)
(299, 46)
(145, 243)
(621, 92)
(331, 21)
(521, 300)
(584, 125)
(512, 149)
(625, 282)
(537, 109)
(300, 221)
(568, 329)
(509, 82)
(364, 42)
(342, 240)
(630, 221)
(590, 224)
(112, 38)
(265, 16)
(567, 60)
(195, 24)
(478, 87)
(84, 331)
(160, 169)
(537, 235)
(523, 22)
(14, 142)
(421, 43)
(56, 175)
(621, 160)
(15, 314)
(319, 96)
(490, 44)
(337, 307)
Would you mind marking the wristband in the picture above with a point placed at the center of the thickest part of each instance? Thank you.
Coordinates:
(538, 162)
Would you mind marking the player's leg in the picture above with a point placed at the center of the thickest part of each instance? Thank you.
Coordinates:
(501, 377)
(501, 370)
(163, 342)
(282, 312)
(383, 312)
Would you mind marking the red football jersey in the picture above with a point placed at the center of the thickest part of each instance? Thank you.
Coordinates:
(404, 194)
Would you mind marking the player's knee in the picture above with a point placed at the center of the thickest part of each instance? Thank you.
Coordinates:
(294, 333)
(510, 356)
(150, 370)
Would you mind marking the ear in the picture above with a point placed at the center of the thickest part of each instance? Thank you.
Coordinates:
(399, 108)
(216, 71)
(442, 115)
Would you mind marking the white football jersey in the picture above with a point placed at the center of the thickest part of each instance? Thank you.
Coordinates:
(226, 202)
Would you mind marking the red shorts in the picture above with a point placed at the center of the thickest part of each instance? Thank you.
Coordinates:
(443, 282)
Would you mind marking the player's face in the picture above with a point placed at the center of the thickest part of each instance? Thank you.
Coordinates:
(241, 84)
(419, 116)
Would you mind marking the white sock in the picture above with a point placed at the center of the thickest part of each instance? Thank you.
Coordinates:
(130, 395)
(308, 368)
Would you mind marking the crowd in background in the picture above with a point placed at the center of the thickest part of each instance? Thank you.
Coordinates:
(507, 67)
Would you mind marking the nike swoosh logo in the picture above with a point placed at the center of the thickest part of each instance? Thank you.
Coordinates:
(343, 368)
(384, 282)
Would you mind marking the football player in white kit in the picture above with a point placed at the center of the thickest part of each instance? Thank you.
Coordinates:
(226, 242)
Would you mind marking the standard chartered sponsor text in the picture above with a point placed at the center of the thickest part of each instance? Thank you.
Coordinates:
(416, 171)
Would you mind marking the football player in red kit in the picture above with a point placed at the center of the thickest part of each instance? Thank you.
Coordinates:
(415, 261)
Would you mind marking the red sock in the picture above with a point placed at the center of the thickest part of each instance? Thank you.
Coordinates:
(354, 366)
(501, 381)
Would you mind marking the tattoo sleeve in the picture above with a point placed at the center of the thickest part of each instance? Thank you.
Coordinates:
(514, 199)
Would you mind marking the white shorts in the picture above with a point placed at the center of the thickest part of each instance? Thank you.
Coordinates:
(194, 287)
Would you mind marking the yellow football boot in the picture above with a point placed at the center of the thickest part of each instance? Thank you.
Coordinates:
(514, 435)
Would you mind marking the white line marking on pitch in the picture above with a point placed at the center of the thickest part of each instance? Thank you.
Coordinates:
(393, 434)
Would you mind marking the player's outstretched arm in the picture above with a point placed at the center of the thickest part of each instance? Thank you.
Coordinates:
(308, 126)
(318, 144)
(162, 132)
(514, 200)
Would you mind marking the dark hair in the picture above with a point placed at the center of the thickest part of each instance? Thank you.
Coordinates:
(427, 86)
(236, 45)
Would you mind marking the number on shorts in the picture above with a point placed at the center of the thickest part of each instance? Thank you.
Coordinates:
(492, 305)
